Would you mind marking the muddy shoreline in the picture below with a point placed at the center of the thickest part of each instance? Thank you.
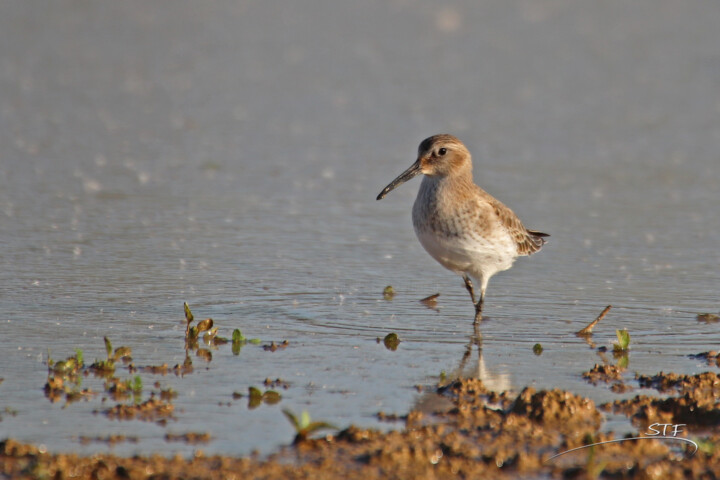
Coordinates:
(479, 434)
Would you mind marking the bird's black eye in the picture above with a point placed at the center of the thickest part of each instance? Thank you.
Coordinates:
(442, 151)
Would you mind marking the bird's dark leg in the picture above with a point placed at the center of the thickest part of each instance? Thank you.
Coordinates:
(469, 286)
(479, 303)
(478, 308)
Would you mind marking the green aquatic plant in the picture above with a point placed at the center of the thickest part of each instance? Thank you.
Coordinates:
(237, 336)
(621, 348)
(68, 367)
(304, 426)
(388, 292)
(256, 397)
(623, 343)
(391, 341)
(107, 367)
(122, 389)
(188, 314)
(209, 334)
(708, 317)
(192, 332)
(65, 379)
(239, 341)
(79, 356)
(136, 385)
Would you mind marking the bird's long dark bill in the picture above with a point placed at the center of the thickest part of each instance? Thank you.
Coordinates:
(402, 178)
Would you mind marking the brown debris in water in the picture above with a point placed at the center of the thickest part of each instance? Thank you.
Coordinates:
(110, 439)
(275, 346)
(56, 389)
(620, 387)
(608, 374)
(185, 369)
(603, 373)
(708, 318)
(155, 369)
(390, 417)
(587, 331)
(712, 357)
(431, 301)
(151, 410)
(277, 383)
(192, 438)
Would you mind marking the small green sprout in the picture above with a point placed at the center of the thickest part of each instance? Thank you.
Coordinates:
(191, 333)
(188, 314)
(388, 292)
(239, 341)
(623, 343)
(237, 336)
(621, 348)
(706, 446)
(108, 347)
(120, 389)
(107, 366)
(137, 384)
(79, 356)
(69, 367)
(256, 397)
(304, 426)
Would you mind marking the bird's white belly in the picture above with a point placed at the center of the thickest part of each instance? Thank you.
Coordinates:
(478, 257)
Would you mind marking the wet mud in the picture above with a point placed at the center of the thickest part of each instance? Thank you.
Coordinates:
(461, 428)
(480, 434)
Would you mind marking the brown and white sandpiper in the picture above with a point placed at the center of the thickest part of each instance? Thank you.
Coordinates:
(458, 223)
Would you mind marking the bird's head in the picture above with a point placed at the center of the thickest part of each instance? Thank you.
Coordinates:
(438, 156)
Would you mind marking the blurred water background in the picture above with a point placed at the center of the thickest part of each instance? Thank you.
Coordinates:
(228, 154)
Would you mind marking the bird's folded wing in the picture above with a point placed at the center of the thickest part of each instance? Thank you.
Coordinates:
(527, 241)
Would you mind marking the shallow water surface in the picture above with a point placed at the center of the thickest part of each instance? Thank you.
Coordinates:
(228, 155)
